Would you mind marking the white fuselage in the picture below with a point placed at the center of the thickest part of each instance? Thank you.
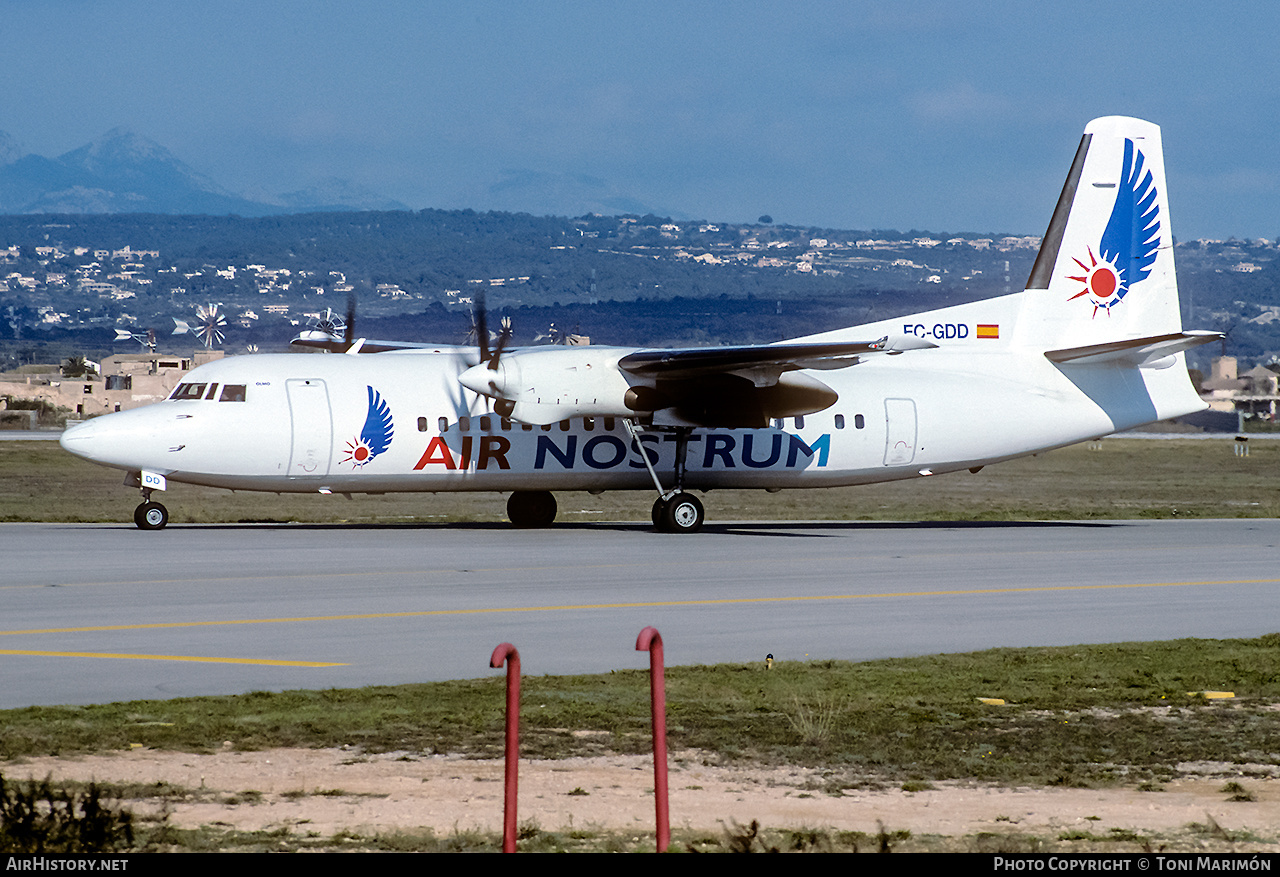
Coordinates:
(298, 427)
(1092, 345)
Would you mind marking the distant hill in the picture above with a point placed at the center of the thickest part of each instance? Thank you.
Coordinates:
(122, 172)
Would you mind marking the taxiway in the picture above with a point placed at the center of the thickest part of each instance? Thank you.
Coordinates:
(98, 613)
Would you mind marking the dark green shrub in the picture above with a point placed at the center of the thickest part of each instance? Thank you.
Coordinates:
(36, 817)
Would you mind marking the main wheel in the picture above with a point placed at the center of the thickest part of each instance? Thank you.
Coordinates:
(531, 508)
(683, 514)
(151, 516)
(659, 513)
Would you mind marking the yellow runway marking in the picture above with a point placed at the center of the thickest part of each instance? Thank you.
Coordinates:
(726, 601)
(199, 659)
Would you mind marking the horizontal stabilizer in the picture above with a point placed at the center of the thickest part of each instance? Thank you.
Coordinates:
(1134, 351)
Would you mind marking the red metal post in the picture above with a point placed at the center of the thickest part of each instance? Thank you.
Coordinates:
(651, 641)
(507, 652)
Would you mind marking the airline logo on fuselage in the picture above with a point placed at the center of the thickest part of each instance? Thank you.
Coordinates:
(376, 435)
(718, 451)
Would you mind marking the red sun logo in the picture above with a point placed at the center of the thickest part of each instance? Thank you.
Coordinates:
(358, 453)
(1101, 281)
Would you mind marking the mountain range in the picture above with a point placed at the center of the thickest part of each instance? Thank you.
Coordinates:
(122, 172)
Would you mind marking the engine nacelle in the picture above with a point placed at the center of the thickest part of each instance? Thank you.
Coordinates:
(730, 400)
(548, 384)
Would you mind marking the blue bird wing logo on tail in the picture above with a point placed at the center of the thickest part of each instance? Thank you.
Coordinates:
(1132, 235)
(1127, 250)
(376, 435)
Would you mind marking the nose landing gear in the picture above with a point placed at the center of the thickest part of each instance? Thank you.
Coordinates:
(150, 515)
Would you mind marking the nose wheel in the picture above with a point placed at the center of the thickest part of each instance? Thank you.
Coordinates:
(151, 516)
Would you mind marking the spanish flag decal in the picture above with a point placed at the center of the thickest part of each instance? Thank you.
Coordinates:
(988, 330)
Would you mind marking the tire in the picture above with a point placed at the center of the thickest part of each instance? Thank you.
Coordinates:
(531, 509)
(659, 514)
(151, 516)
(683, 514)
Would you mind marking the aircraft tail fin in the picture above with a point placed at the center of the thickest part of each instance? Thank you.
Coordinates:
(1105, 269)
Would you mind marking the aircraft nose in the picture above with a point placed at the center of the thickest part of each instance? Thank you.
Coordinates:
(79, 437)
(92, 440)
(113, 439)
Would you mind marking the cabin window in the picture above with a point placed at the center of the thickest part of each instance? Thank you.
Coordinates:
(608, 424)
(188, 391)
(778, 423)
(464, 424)
(506, 424)
(232, 393)
(589, 423)
(564, 426)
(839, 421)
(443, 424)
(800, 422)
(546, 427)
(213, 391)
(527, 427)
(486, 423)
(859, 421)
(422, 424)
(88, 388)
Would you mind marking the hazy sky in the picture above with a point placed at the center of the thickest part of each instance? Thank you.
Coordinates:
(947, 116)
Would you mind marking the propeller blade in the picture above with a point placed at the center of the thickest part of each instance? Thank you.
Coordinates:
(350, 332)
(497, 352)
(482, 327)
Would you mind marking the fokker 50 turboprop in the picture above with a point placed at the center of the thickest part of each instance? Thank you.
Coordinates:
(1093, 345)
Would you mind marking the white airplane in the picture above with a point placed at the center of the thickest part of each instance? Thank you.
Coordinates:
(1093, 345)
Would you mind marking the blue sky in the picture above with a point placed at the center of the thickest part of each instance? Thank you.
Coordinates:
(947, 116)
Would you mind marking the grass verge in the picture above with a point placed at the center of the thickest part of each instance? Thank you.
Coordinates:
(1130, 714)
(1082, 715)
(1124, 478)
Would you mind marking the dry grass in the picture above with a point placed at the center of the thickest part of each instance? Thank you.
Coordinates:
(1126, 478)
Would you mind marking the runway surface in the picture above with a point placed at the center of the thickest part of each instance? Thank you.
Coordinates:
(98, 613)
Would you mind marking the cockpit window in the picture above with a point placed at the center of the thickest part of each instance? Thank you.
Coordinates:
(232, 393)
(189, 391)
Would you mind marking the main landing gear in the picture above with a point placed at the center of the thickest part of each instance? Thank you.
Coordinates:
(678, 513)
(150, 515)
(531, 509)
(674, 511)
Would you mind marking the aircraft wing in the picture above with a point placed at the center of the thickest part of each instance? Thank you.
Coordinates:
(699, 361)
(336, 344)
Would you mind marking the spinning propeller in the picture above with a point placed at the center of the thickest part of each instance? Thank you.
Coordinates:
(480, 330)
(349, 327)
